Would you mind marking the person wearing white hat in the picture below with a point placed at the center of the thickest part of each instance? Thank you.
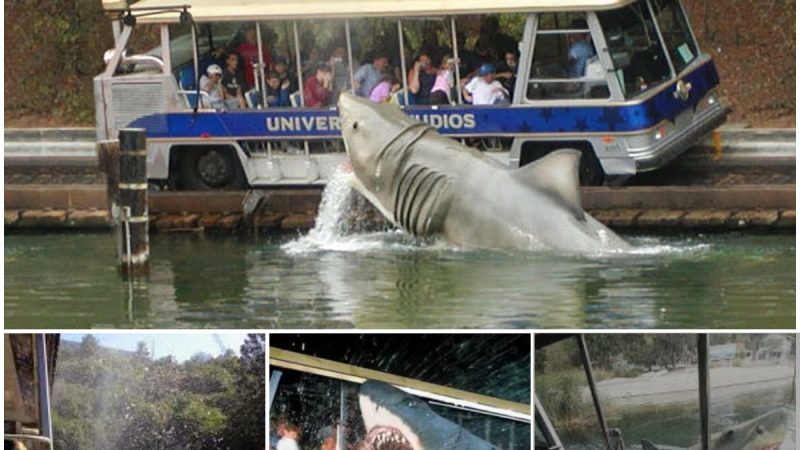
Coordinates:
(211, 84)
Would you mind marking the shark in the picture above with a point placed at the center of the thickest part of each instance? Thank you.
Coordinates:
(396, 420)
(765, 432)
(430, 185)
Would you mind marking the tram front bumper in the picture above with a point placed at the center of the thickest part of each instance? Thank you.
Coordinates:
(675, 143)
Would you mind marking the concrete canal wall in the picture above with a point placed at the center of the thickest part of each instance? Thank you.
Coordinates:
(680, 207)
(52, 182)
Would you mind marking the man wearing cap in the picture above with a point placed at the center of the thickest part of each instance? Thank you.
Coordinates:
(211, 84)
(484, 89)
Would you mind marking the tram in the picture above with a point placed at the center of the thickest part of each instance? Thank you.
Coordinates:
(623, 81)
(301, 380)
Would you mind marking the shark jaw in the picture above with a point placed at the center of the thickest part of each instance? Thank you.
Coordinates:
(386, 431)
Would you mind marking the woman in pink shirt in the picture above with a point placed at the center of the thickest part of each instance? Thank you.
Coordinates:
(440, 92)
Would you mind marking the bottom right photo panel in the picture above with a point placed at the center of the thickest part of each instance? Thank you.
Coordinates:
(657, 391)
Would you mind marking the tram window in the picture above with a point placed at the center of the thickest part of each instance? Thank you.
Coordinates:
(565, 64)
(376, 54)
(430, 72)
(637, 55)
(649, 386)
(316, 404)
(562, 390)
(677, 34)
(323, 58)
(751, 381)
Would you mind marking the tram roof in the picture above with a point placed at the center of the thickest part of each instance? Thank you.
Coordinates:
(252, 10)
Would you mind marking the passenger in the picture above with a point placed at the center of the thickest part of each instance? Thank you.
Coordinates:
(248, 50)
(277, 91)
(281, 66)
(341, 73)
(233, 83)
(368, 75)
(317, 88)
(421, 78)
(290, 437)
(484, 89)
(507, 71)
(580, 50)
(440, 92)
(328, 437)
(211, 84)
(383, 91)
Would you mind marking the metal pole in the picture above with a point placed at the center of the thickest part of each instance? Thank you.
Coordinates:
(349, 53)
(299, 63)
(704, 387)
(342, 418)
(132, 199)
(455, 55)
(403, 60)
(260, 80)
(587, 366)
(274, 381)
(45, 423)
(166, 50)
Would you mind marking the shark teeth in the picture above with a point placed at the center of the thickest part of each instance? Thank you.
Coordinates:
(387, 438)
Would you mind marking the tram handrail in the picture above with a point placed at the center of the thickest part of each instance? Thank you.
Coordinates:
(346, 372)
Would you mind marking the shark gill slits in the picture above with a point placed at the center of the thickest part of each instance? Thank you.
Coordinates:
(429, 216)
(425, 202)
(416, 200)
(403, 187)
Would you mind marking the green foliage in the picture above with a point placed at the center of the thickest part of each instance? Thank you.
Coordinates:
(106, 399)
(53, 49)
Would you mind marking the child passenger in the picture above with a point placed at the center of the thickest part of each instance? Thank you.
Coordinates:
(290, 437)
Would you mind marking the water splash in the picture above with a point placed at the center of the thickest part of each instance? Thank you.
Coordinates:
(347, 223)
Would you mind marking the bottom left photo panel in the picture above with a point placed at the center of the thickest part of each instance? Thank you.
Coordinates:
(176, 391)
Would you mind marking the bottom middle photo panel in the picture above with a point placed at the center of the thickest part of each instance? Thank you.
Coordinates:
(400, 391)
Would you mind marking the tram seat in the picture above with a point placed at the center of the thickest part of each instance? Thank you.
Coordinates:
(186, 78)
(398, 98)
(253, 98)
(295, 99)
(190, 97)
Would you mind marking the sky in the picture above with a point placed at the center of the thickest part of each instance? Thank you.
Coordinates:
(180, 345)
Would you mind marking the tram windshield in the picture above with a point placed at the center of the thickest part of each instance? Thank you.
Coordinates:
(648, 389)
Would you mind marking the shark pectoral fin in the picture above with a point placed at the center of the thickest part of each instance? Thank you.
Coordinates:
(556, 173)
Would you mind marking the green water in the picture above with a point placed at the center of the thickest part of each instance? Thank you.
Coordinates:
(382, 281)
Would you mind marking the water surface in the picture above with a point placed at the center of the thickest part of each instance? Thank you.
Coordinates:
(385, 280)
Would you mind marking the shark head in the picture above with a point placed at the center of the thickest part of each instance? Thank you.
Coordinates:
(395, 420)
(764, 432)
(372, 135)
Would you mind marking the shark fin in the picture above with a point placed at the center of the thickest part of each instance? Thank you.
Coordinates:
(556, 173)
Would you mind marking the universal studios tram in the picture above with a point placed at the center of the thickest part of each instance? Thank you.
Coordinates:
(646, 95)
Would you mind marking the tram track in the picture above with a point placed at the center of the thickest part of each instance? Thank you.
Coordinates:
(744, 184)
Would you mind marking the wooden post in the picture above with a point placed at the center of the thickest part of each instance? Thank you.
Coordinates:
(133, 244)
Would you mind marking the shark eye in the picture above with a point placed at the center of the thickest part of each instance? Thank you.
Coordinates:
(759, 430)
(355, 125)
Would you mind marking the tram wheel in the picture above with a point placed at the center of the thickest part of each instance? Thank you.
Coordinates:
(211, 168)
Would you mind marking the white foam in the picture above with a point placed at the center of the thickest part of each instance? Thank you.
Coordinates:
(334, 230)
